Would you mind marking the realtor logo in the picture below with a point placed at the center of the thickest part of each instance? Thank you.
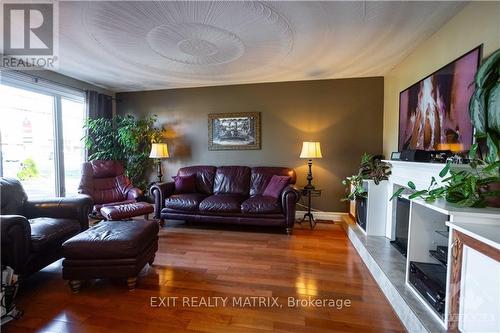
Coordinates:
(28, 35)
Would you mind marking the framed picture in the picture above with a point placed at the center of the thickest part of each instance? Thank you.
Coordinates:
(234, 131)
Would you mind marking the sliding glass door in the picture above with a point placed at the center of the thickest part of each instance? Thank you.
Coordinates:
(73, 118)
(27, 130)
(40, 139)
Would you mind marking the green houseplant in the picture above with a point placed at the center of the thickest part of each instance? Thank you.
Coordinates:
(465, 188)
(484, 106)
(371, 168)
(123, 138)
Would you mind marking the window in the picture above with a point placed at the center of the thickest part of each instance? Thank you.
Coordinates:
(41, 127)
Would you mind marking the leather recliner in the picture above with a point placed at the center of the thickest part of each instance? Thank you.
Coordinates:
(229, 194)
(105, 182)
(34, 230)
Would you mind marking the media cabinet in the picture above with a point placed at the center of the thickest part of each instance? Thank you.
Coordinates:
(439, 237)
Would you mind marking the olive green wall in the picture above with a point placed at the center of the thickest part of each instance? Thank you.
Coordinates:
(345, 115)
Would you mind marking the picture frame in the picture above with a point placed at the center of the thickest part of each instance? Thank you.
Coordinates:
(234, 131)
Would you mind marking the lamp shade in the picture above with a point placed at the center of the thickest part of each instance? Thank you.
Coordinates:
(159, 150)
(311, 149)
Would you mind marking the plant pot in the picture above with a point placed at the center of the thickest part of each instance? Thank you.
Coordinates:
(492, 201)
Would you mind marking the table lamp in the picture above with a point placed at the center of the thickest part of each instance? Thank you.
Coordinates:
(159, 151)
(310, 150)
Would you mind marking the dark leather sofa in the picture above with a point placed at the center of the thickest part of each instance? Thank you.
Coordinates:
(34, 230)
(229, 194)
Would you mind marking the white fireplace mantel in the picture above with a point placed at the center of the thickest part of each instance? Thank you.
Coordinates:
(420, 174)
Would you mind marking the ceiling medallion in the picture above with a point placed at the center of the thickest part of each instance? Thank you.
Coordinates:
(195, 43)
(189, 40)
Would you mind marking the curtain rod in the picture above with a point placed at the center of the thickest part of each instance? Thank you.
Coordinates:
(37, 78)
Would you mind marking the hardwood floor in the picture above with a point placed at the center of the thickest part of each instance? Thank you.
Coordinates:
(206, 263)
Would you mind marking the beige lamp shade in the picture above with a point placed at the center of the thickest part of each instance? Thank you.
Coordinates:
(159, 150)
(311, 149)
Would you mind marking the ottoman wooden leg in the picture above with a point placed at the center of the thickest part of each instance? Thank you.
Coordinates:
(131, 282)
(146, 217)
(75, 285)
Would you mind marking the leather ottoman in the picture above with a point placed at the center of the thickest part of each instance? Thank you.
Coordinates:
(110, 250)
(126, 211)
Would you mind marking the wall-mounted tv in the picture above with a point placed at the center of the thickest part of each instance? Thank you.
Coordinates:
(434, 112)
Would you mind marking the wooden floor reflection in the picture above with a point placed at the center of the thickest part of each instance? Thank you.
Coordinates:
(197, 261)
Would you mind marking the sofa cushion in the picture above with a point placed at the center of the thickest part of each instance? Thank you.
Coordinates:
(275, 186)
(261, 205)
(47, 232)
(186, 201)
(205, 175)
(232, 180)
(222, 203)
(261, 176)
(185, 184)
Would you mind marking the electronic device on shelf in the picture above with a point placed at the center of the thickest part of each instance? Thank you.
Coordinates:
(443, 251)
(440, 156)
(439, 257)
(416, 155)
(396, 156)
(430, 282)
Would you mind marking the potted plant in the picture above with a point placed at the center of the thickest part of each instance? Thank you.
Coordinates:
(371, 168)
(123, 138)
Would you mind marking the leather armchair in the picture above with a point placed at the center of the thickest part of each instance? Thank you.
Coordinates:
(34, 230)
(105, 182)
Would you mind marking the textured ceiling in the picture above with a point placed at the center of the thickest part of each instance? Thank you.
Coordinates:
(129, 46)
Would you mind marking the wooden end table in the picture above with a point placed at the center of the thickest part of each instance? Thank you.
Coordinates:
(309, 193)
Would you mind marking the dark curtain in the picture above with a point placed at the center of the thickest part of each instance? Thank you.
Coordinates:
(99, 105)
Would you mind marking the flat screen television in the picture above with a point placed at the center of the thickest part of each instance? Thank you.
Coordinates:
(434, 112)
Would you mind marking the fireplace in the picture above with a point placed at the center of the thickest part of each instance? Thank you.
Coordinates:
(361, 212)
(402, 221)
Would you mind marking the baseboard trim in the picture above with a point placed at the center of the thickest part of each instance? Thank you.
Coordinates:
(332, 216)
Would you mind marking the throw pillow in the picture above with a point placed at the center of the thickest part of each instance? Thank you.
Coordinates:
(276, 185)
(185, 184)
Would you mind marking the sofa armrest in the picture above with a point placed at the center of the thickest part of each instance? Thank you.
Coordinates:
(289, 198)
(133, 193)
(77, 208)
(160, 192)
(16, 241)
